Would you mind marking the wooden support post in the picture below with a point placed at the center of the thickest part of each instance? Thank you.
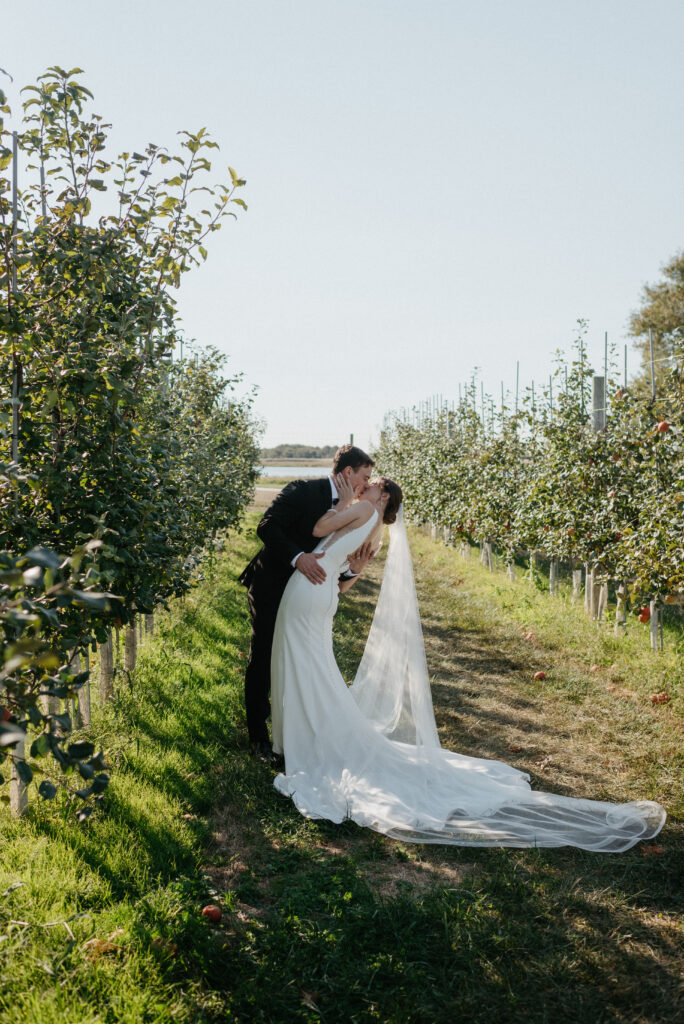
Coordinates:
(654, 625)
(106, 668)
(510, 569)
(598, 403)
(149, 624)
(587, 588)
(602, 603)
(84, 693)
(595, 595)
(75, 668)
(553, 576)
(576, 584)
(131, 647)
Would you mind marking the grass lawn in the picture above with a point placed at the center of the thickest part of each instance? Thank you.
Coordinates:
(321, 922)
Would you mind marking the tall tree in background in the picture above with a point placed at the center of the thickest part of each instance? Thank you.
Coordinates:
(662, 312)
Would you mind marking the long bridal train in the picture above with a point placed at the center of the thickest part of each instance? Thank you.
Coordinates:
(370, 752)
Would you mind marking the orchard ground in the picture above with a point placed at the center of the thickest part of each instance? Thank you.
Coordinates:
(334, 923)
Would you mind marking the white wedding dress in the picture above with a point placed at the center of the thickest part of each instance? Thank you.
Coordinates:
(370, 752)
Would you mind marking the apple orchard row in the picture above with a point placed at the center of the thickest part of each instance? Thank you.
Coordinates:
(543, 482)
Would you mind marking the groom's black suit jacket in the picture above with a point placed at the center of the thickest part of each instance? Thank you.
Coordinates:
(286, 529)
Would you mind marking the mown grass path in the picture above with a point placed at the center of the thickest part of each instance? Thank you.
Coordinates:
(333, 923)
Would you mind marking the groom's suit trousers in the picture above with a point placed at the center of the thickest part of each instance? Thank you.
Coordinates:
(286, 530)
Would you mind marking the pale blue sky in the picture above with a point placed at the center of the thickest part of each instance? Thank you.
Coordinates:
(432, 185)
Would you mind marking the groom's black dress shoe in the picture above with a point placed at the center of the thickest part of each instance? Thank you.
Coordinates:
(263, 751)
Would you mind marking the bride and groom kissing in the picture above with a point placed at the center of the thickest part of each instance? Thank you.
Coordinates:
(370, 752)
(287, 533)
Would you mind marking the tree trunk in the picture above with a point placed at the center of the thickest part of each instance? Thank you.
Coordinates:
(149, 624)
(621, 609)
(18, 789)
(576, 584)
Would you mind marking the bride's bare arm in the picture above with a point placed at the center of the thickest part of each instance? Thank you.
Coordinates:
(333, 520)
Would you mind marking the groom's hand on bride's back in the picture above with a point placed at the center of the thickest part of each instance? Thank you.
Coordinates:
(308, 565)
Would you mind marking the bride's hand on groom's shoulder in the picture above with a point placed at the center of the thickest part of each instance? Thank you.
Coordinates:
(345, 492)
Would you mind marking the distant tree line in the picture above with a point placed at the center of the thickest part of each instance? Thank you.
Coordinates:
(299, 451)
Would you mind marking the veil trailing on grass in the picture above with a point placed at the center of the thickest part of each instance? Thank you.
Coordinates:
(392, 686)
(370, 752)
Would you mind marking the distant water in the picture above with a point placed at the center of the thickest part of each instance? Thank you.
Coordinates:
(295, 472)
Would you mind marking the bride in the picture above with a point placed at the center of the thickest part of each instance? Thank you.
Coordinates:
(370, 752)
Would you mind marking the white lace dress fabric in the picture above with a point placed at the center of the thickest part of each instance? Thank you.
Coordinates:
(351, 754)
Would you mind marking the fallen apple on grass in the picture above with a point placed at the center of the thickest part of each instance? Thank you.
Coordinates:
(212, 913)
(538, 676)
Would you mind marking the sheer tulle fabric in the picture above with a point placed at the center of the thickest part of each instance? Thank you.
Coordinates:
(392, 686)
(370, 752)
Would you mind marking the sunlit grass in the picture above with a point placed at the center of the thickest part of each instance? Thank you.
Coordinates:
(334, 923)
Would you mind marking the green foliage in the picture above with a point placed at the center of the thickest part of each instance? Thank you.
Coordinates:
(44, 607)
(120, 454)
(544, 480)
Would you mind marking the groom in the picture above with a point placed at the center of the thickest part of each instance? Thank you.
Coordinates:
(286, 531)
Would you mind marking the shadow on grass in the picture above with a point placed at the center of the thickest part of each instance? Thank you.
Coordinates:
(520, 935)
(336, 923)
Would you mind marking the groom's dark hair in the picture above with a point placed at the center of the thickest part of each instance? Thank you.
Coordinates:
(348, 455)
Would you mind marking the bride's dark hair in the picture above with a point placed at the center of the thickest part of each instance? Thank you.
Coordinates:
(395, 499)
